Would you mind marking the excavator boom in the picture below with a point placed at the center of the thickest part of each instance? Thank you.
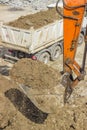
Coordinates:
(73, 17)
(72, 27)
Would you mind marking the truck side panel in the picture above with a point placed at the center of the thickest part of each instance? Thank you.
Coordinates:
(33, 40)
(16, 37)
(47, 36)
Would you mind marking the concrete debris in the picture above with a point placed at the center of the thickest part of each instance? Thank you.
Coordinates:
(35, 4)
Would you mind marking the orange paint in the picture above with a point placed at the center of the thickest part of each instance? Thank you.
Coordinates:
(71, 34)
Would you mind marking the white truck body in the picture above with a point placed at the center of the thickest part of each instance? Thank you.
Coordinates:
(84, 25)
(84, 22)
(45, 43)
(32, 41)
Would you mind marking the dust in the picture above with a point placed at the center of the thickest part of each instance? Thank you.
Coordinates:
(36, 20)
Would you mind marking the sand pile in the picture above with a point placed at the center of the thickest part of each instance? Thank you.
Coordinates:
(34, 74)
(36, 20)
(42, 81)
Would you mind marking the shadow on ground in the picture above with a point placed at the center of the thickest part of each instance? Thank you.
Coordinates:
(25, 106)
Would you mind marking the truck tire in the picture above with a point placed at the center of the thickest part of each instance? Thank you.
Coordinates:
(2, 51)
(44, 57)
(56, 51)
(81, 39)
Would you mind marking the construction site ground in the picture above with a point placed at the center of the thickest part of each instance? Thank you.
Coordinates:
(17, 112)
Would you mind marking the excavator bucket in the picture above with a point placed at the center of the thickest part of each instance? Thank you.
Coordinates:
(40, 83)
(46, 102)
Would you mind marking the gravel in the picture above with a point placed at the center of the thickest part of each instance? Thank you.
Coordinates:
(35, 4)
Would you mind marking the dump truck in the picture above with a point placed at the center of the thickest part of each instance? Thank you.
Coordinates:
(44, 43)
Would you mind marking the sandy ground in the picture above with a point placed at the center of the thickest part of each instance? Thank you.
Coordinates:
(9, 14)
(17, 112)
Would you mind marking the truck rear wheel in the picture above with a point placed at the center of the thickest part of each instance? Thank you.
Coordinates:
(44, 57)
(3, 51)
(56, 51)
(81, 39)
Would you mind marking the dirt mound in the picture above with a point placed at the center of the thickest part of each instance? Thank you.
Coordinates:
(12, 103)
(36, 20)
(6, 110)
(17, 112)
(34, 74)
(40, 82)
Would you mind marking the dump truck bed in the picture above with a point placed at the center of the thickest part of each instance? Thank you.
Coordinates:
(33, 40)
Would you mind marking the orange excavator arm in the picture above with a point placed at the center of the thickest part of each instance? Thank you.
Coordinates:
(73, 16)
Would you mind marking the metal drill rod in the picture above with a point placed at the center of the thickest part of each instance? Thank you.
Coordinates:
(85, 52)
